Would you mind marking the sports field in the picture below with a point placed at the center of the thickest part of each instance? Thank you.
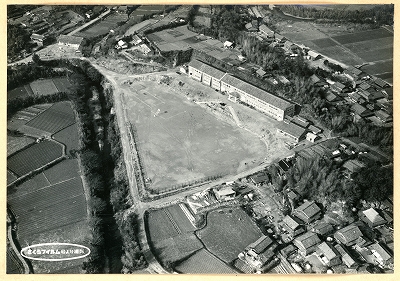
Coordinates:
(228, 232)
(181, 142)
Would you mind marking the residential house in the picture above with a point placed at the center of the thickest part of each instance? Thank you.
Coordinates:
(266, 31)
(302, 122)
(380, 83)
(317, 81)
(361, 111)
(252, 26)
(71, 41)
(261, 73)
(322, 228)
(279, 38)
(283, 79)
(259, 253)
(388, 93)
(314, 129)
(293, 196)
(288, 250)
(352, 166)
(364, 85)
(348, 235)
(332, 98)
(311, 137)
(292, 226)
(307, 243)
(383, 116)
(372, 217)
(338, 87)
(307, 212)
(39, 39)
(261, 245)
(259, 179)
(347, 259)
(228, 45)
(328, 255)
(314, 55)
(136, 40)
(371, 94)
(352, 73)
(225, 193)
(291, 130)
(382, 256)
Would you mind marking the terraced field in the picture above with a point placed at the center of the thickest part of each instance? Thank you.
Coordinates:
(34, 157)
(54, 119)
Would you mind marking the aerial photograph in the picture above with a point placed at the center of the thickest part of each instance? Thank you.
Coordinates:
(200, 139)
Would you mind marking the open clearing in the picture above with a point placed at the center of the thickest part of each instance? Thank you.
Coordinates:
(180, 141)
(34, 157)
(203, 262)
(228, 232)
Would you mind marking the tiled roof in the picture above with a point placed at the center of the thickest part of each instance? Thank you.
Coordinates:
(256, 92)
(291, 222)
(307, 210)
(207, 69)
(348, 234)
(307, 240)
(327, 250)
(322, 228)
(263, 243)
(265, 29)
(291, 129)
(373, 216)
(381, 251)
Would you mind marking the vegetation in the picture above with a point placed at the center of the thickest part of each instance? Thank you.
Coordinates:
(18, 39)
(375, 16)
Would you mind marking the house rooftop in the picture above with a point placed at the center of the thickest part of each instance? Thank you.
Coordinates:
(348, 234)
(262, 244)
(380, 250)
(327, 250)
(353, 165)
(322, 228)
(292, 222)
(308, 239)
(307, 210)
(291, 129)
(373, 216)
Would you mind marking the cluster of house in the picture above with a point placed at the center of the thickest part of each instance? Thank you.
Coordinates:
(371, 98)
(239, 90)
(305, 231)
(212, 198)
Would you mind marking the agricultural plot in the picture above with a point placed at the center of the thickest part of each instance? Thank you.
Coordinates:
(184, 142)
(228, 232)
(63, 84)
(377, 55)
(363, 36)
(37, 182)
(63, 171)
(43, 87)
(17, 143)
(176, 214)
(147, 10)
(19, 92)
(11, 177)
(69, 137)
(103, 26)
(203, 262)
(34, 157)
(59, 116)
(177, 248)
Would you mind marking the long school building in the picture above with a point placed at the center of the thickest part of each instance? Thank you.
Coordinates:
(236, 88)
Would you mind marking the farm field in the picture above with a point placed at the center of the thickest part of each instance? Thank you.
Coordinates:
(43, 87)
(374, 47)
(59, 116)
(171, 233)
(184, 142)
(34, 157)
(228, 232)
(11, 177)
(203, 262)
(69, 137)
(103, 26)
(22, 91)
(63, 84)
(65, 170)
(147, 10)
(17, 143)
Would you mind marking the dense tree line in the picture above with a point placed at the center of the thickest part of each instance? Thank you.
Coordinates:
(321, 179)
(18, 39)
(376, 15)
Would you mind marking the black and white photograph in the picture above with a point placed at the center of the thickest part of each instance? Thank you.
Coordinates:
(223, 139)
